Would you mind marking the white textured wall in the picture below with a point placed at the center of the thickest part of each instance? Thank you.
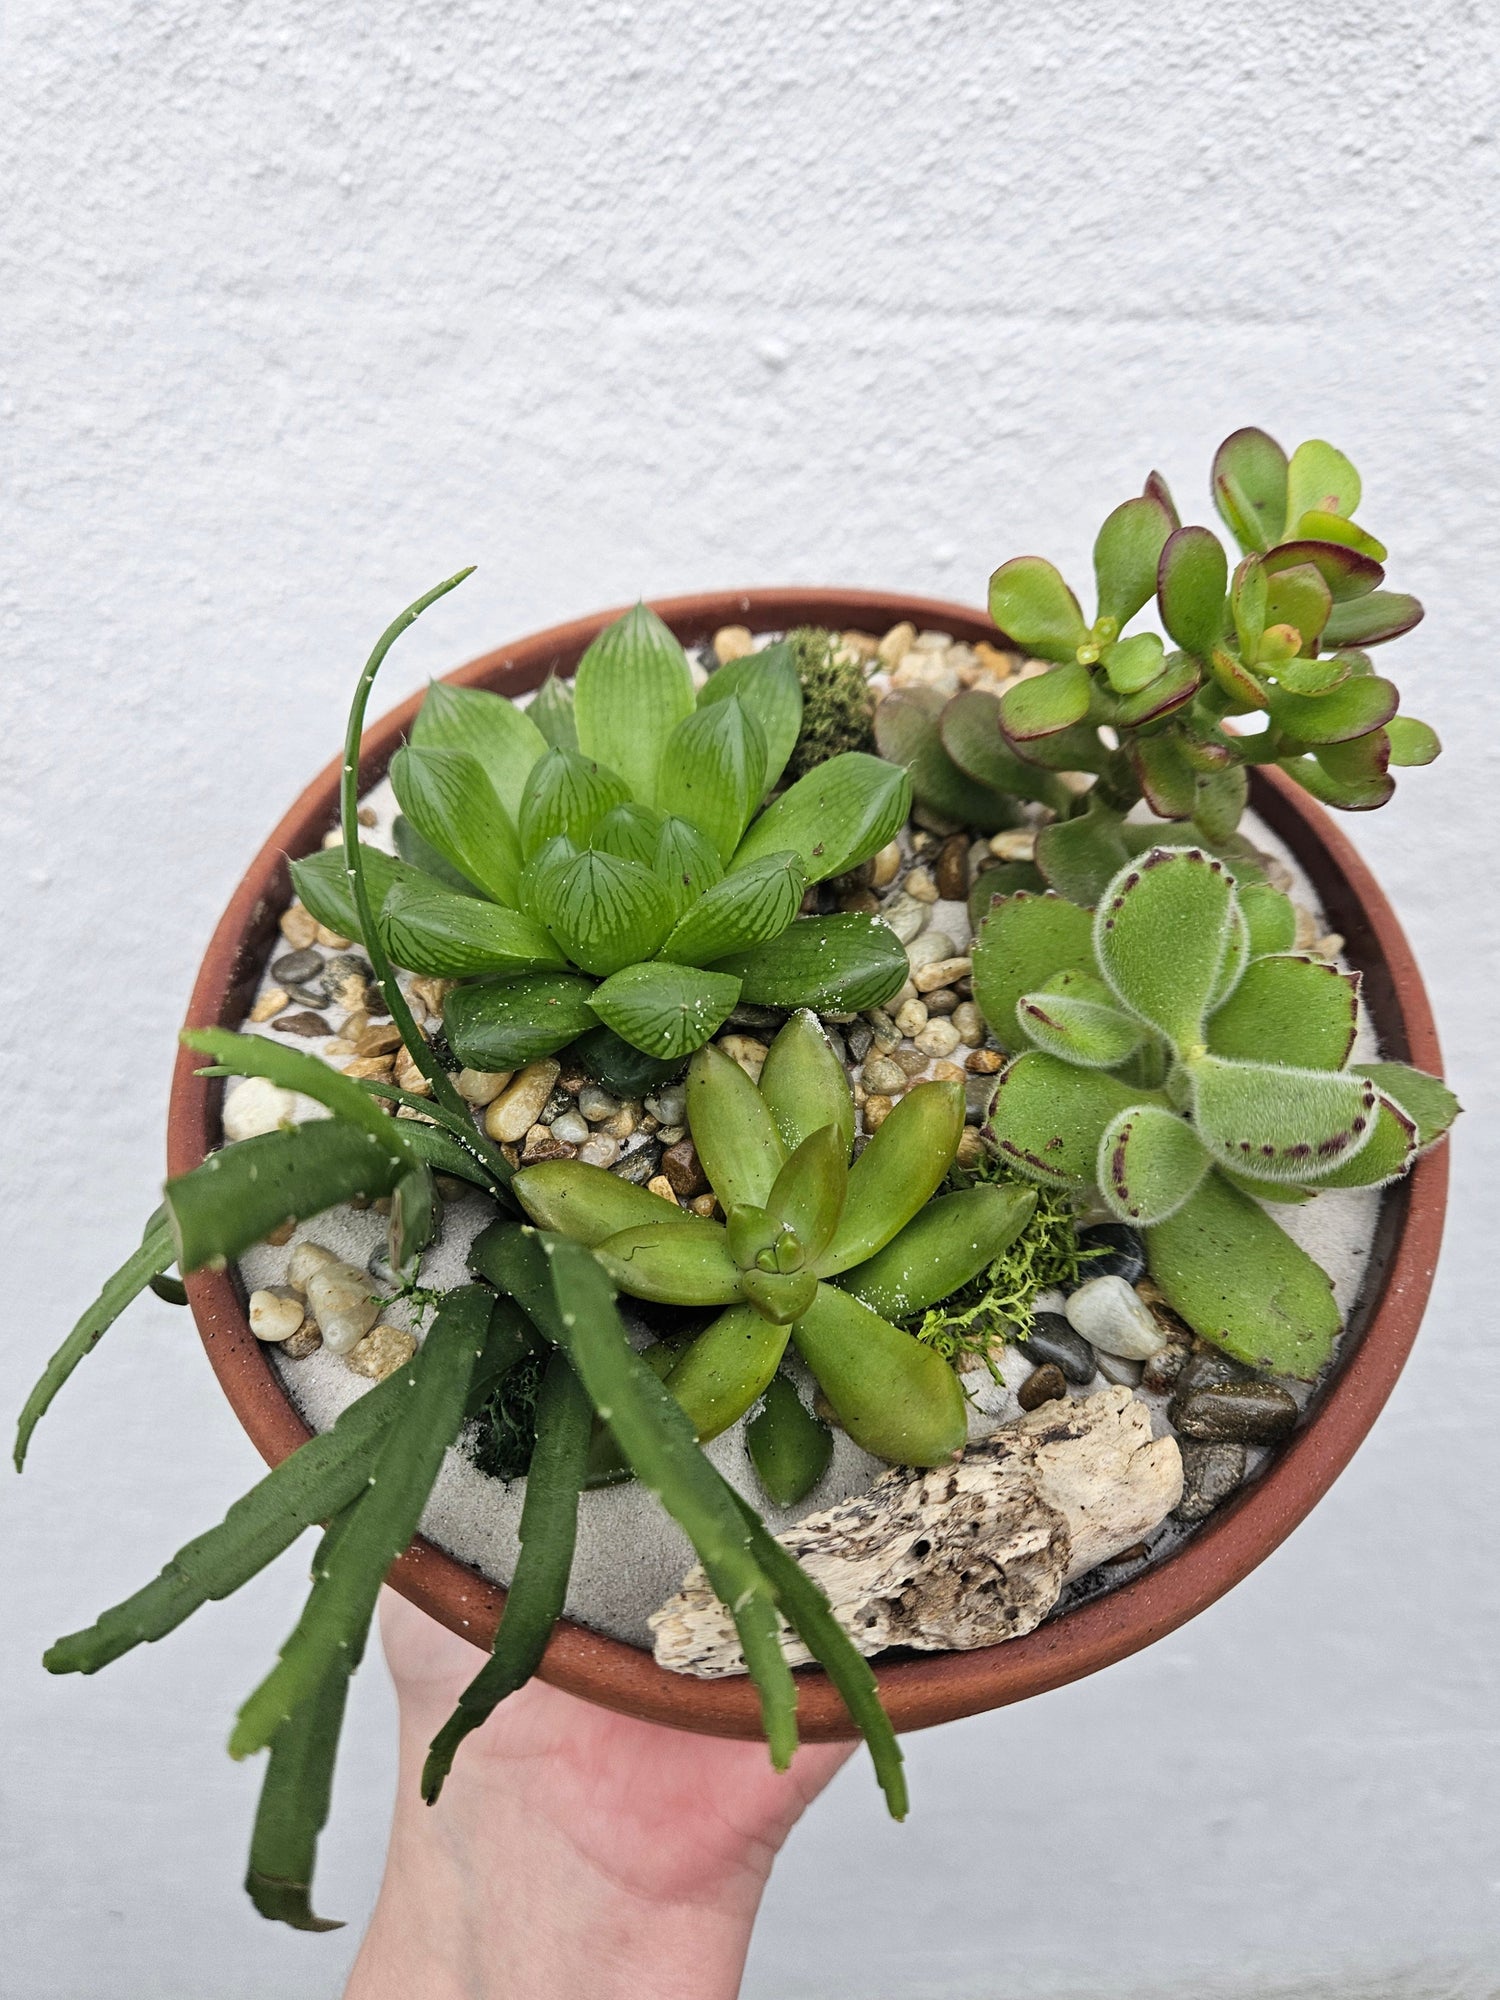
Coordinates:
(306, 305)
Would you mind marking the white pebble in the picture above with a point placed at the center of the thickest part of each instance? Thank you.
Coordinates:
(929, 949)
(275, 1315)
(1107, 1312)
(599, 1150)
(921, 886)
(911, 1017)
(938, 1038)
(481, 1086)
(258, 1106)
(969, 1022)
(943, 972)
(304, 1260)
(571, 1128)
(338, 1297)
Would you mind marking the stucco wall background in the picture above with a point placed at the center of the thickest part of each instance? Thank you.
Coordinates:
(305, 306)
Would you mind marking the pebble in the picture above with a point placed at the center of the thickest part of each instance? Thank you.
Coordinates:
(624, 1122)
(882, 1075)
(883, 1030)
(298, 926)
(938, 1038)
(597, 1104)
(381, 1352)
(706, 1205)
(1210, 1473)
(970, 1024)
(295, 968)
(886, 866)
(1046, 1384)
(481, 1086)
(512, 1114)
(669, 1104)
(408, 1076)
(941, 1000)
(859, 1038)
(380, 1038)
(952, 871)
(733, 642)
(912, 1062)
(276, 1313)
(256, 1106)
(306, 1340)
(660, 1185)
(1116, 1368)
(308, 1024)
(306, 1258)
(862, 902)
(543, 1144)
(896, 644)
(1015, 844)
(1124, 1253)
(372, 1066)
(683, 1169)
(746, 1015)
(1161, 1372)
(982, 1062)
(338, 1297)
(906, 915)
(947, 1072)
(335, 940)
(920, 886)
(747, 1052)
(667, 1134)
(1235, 1413)
(641, 1165)
(1107, 1313)
(970, 1147)
(599, 1150)
(270, 1002)
(571, 1127)
(877, 1109)
(942, 972)
(979, 1094)
(1206, 1370)
(910, 1016)
(1052, 1340)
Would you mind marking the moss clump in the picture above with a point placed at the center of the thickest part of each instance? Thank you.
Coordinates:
(838, 708)
(505, 1435)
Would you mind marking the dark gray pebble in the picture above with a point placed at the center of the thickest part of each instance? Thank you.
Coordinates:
(293, 968)
(640, 1166)
(747, 1016)
(1124, 1253)
(1235, 1413)
(309, 994)
(979, 1092)
(1210, 1473)
(1119, 1368)
(301, 1024)
(1052, 1339)
(1206, 1369)
(1043, 1385)
(859, 1038)
(1164, 1370)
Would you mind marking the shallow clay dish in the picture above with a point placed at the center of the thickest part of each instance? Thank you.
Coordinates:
(931, 1688)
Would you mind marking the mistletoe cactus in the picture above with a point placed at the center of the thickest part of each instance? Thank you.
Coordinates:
(600, 865)
(812, 1250)
(1177, 1061)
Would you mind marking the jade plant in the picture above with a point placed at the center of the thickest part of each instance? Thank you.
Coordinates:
(604, 864)
(812, 1252)
(1176, 1060)
(1267, 665)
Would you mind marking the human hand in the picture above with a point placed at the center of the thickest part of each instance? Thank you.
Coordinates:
(573, 1851)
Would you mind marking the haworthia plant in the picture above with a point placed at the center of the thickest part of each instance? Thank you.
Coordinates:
(1173, 1058)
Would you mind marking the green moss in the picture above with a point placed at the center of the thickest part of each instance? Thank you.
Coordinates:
(505, 1435)
(838, 708)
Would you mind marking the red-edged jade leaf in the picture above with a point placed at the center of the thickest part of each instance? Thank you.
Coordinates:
(1346, 572)
(908, 731)
(1412, 742)
(1034, 607)
(1126, 552)
(1046, 702)
(970, 728)
(1352, 709)
(1370, 621)
(1320, 477)
(1192, 577)
(1250, 487)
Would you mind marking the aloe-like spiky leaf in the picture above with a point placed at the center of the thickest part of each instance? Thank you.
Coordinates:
(1279, 1123)
(803, 1084)
(768, 685)
(552, 711)
(685, 863)
(943, 1247)
(630, 832)
(901, 1168)
(1250, 488)
(788, 1446)
(727, 1368)
(609, 913)
(738, 1144)
(1021, 944)
(750, 906)
(293, 1809)
(970, 728)
(837, 964)
(894, 1396)
(1150, 1162)
(357, 1552)
(500, 1024)
(632, 689)
(1131, 665)
(834, 817)
(1426, 1100)
(1411, 742)
(586, 1204)
(908, 731)
(1167, 780)
(713, 772)
(1320, 477)
(1160, 935)
(566, 793)
(1347, 573)
(293, 1069)
(1192, 577)
(1389, 1154)
(504, 738)
(239, 1195)
(544, 1561)
(667, 1010)
(1043, 704)
(322, 883)
(431, 930)
(808, 1194)
(1370, 621)
(1074, 1017)
(1288, 1009)
(1126, 552)
(1352, 709)
(448, 797)
(1048, 1117)
(1034, 607)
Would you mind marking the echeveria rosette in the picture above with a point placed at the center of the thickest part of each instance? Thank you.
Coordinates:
(812, 1249)
(602, 860)
(1177, 1060)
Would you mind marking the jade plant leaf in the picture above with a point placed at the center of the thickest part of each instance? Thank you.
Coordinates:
(902, 1168)
(1371, 620)
(804, 1085)
(1192, 579)
(1160, 936)
(566, 793)
(1133, 664)
(1173, 688)
(667, 1010)
(1167, 779)
(1411, 742)
(836, 816)
(1150, 1161)
(1220, 803)
(908, 731)
(1023, 942)
(1354, 775)
(1426, 1100)
(713, 772)
(721, 1374)
(500, 1024)
(767, 684)
(1352, 709)
(586, 1203)
(432, 931)
(1046, 703)
(1299, 600)
(685, 863)
(504, 738)
(737, 1141)
(1074, 1016)
(1240, 1281)
(1247, 604)
(632, 689)
(970, 728)
(750, 906)
(449, 799)
(238, 1196)
(1048, 1117)
(788, 1446)
(1346, 572)
(1288, 1009)
(552, 711)
(1075, 749)
(943, 1247)
(837, 964)
(1034, 607)
(1250, 488)
(1320, 526)
(894, 1396)
(1278, 1123)
(1126, 552)
(322, 883)
(1320, 478)
(293, 1810)
(609, 913)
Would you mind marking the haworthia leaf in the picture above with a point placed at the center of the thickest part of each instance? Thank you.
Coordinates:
(836, 816)
(713, 772)
(566, 793)
(588, 1203)
(293, 1809)
(453, 937)
(1371, 620)
(1240, 1281)
(239, 1195)
(803, 1084)
(667, 1010)
(1034, 607)
(685, 863)
(551, 710)
(618, 1065)
(157, 1253)
(1277, 1123)
(750, 906)
(902, 1167)
(1150, 1161)
(632, 689)
(1048, 1117)
(608, 913)
(1160, 934)
(1044, 704)
(1320, 477)
(836, 964)
(540, 879)
(356, 1554)
(322, 883)
(1074, 1017)
(738, 1145)
(1250, 488)
(944, 1246)
(419, 854)
(894, 1395)
(1425, 1099)
(504, 738)
(970, 729)
(768, 686)
(448, 797)
(1126, 552)
(908, 731)
(1023, 942)
(630, 831)
(1288, 1009)
(495, 1025)
(1192, 580)
(539, 1585)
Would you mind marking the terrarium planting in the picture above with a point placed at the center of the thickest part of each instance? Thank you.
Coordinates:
(806, 1084)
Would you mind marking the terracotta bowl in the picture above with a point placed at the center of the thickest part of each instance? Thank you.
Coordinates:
(939, 1687)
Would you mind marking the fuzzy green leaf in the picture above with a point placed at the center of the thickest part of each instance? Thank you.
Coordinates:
(293, 1808)
(901, 1168)
(722, 1373)
(566, 793)
(804, 1086)
(1192, 579)
(1288, 1009)
(1412, 742)
(667, 1010)
(970, 729)
(1278, 1123)
(767, 684)
(431, 931)
(500, 1024)
(1269, 916)
(836, 816)
(449, 799)
(894, 1396)
(1160, 936)
(1079, 858)
(1023, 942)
(908, 731)
(609, 913)
(1048, 1117)
(1389, 1154)
(1426, 1100)
(504, 738)
(1370, 621)
(713, 772)
(1250, 488)
(737, 1141)
(943, 1247)
(632, 690)
(837, 964)
(1074, 1016)
(1034, 607)
(1126, 553)
(322, 883)
(552, 711)
(1240, 1281)
(1320, 477)
(1150, 1161)
(1046, 703)
(750, 906)
(239, 1195)
(1352, 709)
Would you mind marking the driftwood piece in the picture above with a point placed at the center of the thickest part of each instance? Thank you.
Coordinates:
(967, 1554)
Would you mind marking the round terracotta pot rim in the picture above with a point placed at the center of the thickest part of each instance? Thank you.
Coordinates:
(917, 1691)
